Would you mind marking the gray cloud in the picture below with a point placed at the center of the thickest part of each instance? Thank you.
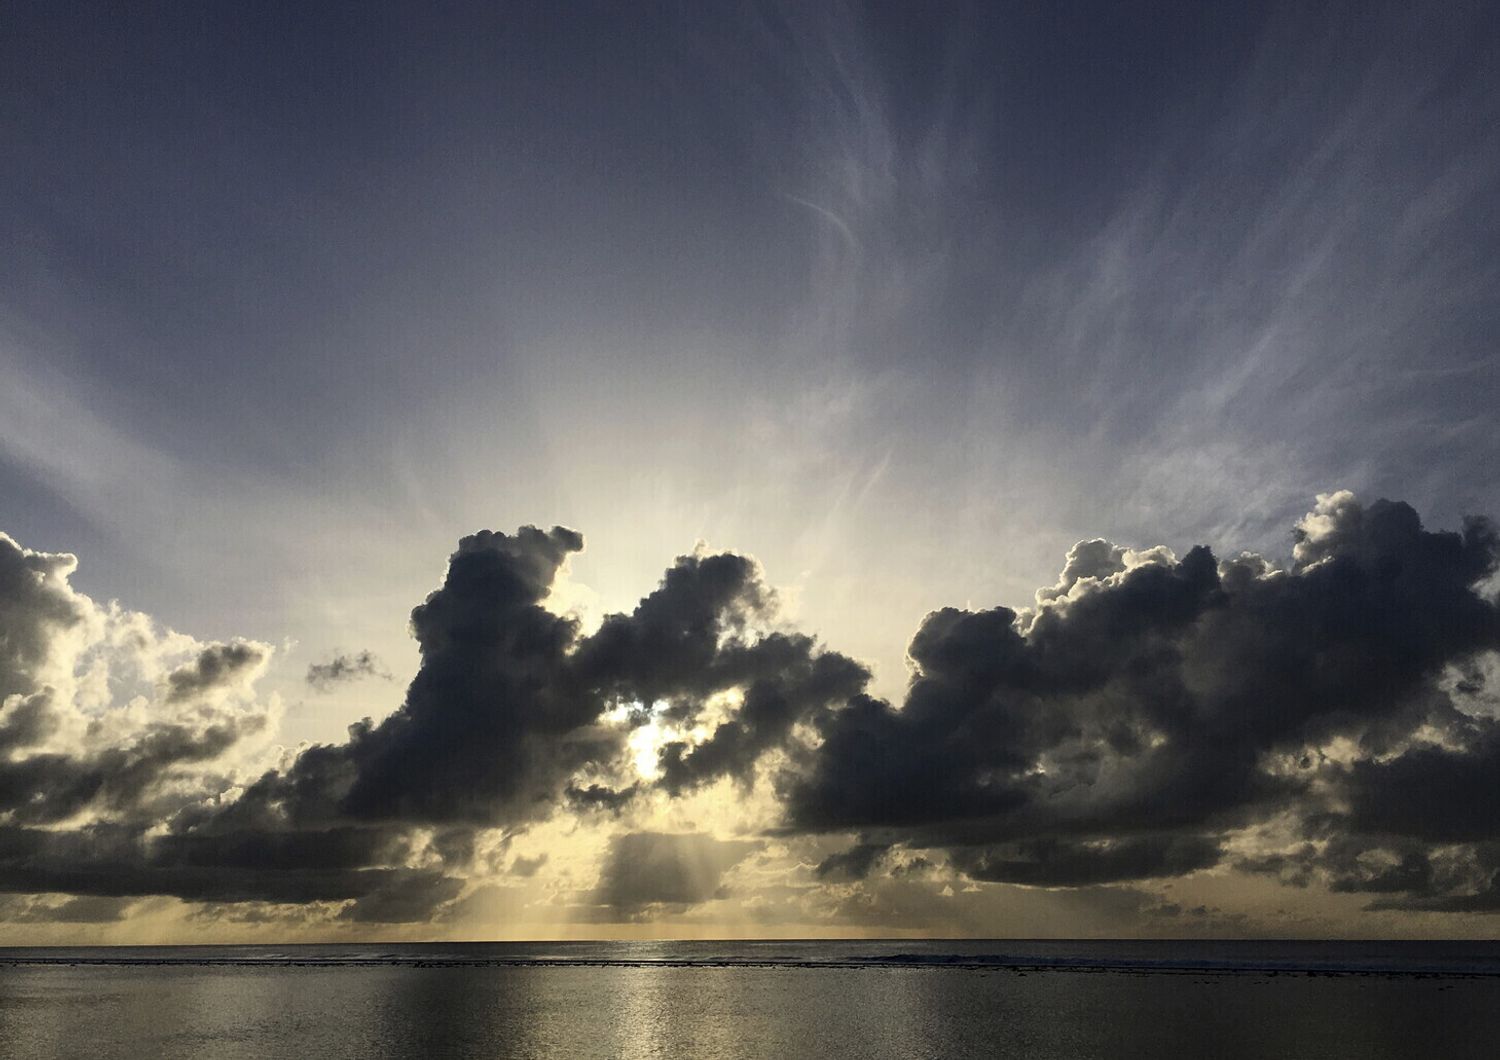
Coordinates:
(48, 787)
(527, 867)
(84, 910)
(81, 790)
(504, 715)
(1124, 732)
(493, 725)
(500, 728)
(217, 666)
(35, 606)
(853, 864)
(406, 899)
(55, 766)
(119, 861)
(344, 668)
(645, 869)
(1054, 862)
(786, 681)
(1144, 714)
(27, 721)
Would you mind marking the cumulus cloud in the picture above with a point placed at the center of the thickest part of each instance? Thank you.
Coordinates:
(110, 729)
(507, 715)
(104, 717)
(1149, 717)
(511, 717)
(36, 608)
(1150, 710)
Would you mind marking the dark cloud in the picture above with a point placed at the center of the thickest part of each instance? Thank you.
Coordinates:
(1142, 714)
(601, 797)
(688, 640)
(493, 725)
(503, 723)
(111, 807)
(644, 869)
(88, 909)
(406, 899)
(852, 864)
(27, 721)
(501, 727)
(786, 681)
(216, 666)
(669, 647)
(120, 781)
(1059, 863)
(1147, 711)
(527, 867)
(344, 668)
(491, 731)
(1419, 873)
(1434, 793)
(121, 861)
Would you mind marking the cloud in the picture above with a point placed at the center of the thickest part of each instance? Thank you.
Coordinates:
(36, 608)
(1149, 717)
(506, 716)
(1146, 713)
(645, 869)
(217, 666)
(787, 681)
(527, 867)
(1061, 863)
(85, 910)
(852, 864)
(122, 743)
(344, 668)
(407, 899)
(491, 729)
(503, 726)
(104, 717)
(265, 866)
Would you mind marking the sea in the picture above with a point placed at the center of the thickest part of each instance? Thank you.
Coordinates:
(779, 999)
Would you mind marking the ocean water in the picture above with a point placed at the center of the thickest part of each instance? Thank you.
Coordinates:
(757, 999)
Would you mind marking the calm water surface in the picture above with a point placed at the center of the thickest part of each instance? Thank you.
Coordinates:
(714, 1000)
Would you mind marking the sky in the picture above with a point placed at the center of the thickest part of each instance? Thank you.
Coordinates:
(517, 470)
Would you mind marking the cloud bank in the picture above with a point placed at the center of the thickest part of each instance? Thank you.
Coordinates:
(1327, 723)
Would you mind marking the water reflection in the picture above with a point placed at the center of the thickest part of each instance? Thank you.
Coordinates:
(634, 1011)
